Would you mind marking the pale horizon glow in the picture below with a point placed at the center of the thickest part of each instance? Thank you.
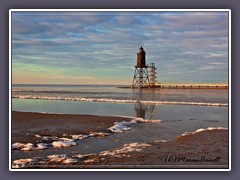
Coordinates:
(101, 47)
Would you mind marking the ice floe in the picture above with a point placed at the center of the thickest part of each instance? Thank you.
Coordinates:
(69, 161)
(65, 139)
(57, 157)
(98, 134)
(29, 146)
(161, 141)
(81, 156)
(120, 127)
(60, 144)
(132, 147)
(91, 160)
(21, 163)
(79, 137)
(204, 129)
(18, 145)
(41, 146)
(85, 158)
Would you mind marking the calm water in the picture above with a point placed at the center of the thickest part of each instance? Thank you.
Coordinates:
(164, 104)
(181, 111)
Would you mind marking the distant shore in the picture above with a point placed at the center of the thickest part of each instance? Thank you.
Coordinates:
(202, 86)
(206, 149)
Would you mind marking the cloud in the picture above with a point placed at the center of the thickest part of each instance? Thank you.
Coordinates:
(79, 42)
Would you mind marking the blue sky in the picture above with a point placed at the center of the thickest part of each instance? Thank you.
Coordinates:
(101, 47)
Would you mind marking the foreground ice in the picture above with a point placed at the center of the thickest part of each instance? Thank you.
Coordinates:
(120, 127)
(132, 147)
(29, 146)
(21, 163)
(84, 158)
(204, 129)
(57, 142)
(124, 151)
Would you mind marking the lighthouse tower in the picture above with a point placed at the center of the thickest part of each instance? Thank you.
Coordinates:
(140, 78)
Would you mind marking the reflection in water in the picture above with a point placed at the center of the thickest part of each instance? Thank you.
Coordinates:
(142, 109)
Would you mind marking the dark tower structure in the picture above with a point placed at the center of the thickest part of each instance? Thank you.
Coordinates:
(140, 78)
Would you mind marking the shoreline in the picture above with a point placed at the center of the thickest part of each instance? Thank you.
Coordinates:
(185, 151)
(26, 124)
(177, 87)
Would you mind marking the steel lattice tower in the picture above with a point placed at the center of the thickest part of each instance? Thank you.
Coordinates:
(152, 75)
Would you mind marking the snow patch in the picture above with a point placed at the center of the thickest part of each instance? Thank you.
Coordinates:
(18, 145)
(91, 160)
(38, 136)
(28, 147)
(60, 144)
(57, 158)
(65, 139)
(98, 134)
(120, 127)
(41, 146)
(204, 129)
(132, 147)
(81, 156)
(20, 163)
(161, 141)
(69, 161)
(79, 137)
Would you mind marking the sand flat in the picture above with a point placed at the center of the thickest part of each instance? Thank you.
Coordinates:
(26, 124)
(205, 149)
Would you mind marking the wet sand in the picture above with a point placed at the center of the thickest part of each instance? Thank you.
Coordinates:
(26, 124)
(206, 149)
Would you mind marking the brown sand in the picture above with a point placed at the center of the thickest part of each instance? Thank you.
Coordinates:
(26, 124)
(207, 149)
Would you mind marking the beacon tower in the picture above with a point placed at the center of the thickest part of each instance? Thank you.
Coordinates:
(140, 78)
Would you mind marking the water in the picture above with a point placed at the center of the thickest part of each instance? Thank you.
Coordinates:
(111, 93)
(180, 111)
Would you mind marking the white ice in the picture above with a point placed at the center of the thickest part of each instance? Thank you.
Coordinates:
(57, 158)
(69, 160)
(204, 129)
(28, 147)
(80, 156)
(18, 145)
(60, 144)
(20, 163)
(41, 146)
(132, 147)
(79, 137)
(120, 127)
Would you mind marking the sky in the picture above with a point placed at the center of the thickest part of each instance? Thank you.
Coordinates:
(101, 47)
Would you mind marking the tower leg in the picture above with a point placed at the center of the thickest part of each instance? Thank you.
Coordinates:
(140, 78)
